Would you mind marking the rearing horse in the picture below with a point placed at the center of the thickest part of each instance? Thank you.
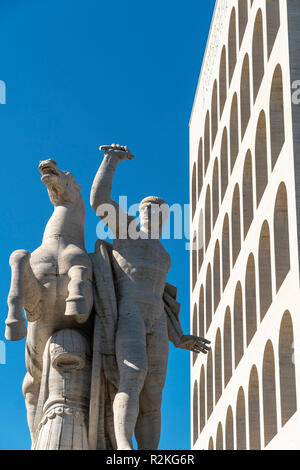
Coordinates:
(54, 283)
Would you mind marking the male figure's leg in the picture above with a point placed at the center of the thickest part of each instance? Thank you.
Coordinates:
(132, 362)
(147, 431)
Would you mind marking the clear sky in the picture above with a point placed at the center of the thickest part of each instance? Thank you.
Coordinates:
(80, 74)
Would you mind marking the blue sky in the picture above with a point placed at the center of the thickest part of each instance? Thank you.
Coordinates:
(80, 74)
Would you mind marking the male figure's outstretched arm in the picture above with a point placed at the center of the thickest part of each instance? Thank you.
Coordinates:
(100, 197)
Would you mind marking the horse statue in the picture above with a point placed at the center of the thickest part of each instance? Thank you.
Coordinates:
(53, 284)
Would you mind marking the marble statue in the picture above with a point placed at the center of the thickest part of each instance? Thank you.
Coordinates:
(98, 324)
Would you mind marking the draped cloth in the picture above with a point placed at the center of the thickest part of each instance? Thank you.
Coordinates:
(104, 380)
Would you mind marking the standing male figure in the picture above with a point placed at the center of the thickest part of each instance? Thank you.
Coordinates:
(140, 265)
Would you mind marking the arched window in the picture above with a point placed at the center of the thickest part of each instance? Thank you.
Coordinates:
(236, 224)
(218, 366)
(211, 444)
(243, 18)
(288, 394)
(214, 113)
(253, 405)
(250, 287)
(258, 53)
(217, 287)
(206, 142)
(223, 80)
(227, 347)
(234, 131)
(229, 430)
(241, 421)
(202, 399)
(200, 166)
(219, 440)
(195, 329)
(215, 191)
(194, 190)
(194, 260)
(225, 251)
(232, 44)
(195, 413)
(247, 193)
(269, 394)
(238, 324)
(209, 384)
(276, 115)
(245, 96)
(201, 313)
(273, 22)
(207, 217)
(261, 163)
(281, 236)
(224, 163)
(265, 279)
(208, 296)
(200, 241)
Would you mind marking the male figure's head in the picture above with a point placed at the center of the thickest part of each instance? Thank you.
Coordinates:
(154, 213)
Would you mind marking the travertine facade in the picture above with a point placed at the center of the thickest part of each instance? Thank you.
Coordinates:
(244, 183)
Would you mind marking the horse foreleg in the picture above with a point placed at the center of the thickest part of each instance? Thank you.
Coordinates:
(80, 300)
(25, 292)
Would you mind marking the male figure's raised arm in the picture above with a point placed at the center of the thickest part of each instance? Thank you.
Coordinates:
(100, 198)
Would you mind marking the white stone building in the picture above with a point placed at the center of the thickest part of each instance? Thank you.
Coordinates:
(245, 222)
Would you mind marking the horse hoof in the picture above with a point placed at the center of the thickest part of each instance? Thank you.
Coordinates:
(16, 331)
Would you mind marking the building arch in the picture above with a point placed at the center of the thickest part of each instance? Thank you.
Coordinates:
(218, 367)
(194, 190)
(224, 163)
(234, 131)
(211, 444)
(232, 44)
(206, 142)
(269, 394)
(208, 295)
(201, 323)
(225, 251)
(258, 67)
(209, 384)
(214, 113)
(215, 191)
(238, 325)
(261, 157)
(219, 439)
(250, 294)
(287, 372)
(217, 280)
(273, 22)
(229, 433)
(200, 166)
(281, 236)
(194, 260)
(241, 421)
(276, 116)
(207, 217)
(264, 265)
(202, 399)
(253, 407)
(247, 193)
(236, 224)
(223, 80)
(195, 329)
(227, 347)
(200, 241)
(245, 95)
(243, 18)
(195, 412)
